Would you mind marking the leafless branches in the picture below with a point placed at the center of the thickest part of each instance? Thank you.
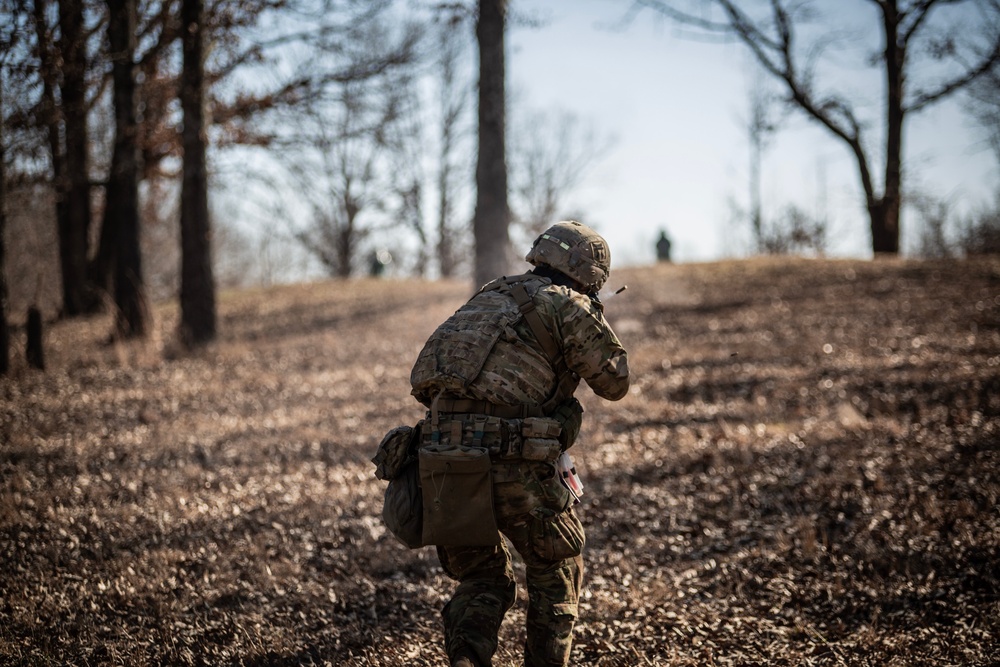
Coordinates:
(914, 33)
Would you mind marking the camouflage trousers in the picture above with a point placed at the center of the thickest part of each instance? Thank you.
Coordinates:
(534, 511)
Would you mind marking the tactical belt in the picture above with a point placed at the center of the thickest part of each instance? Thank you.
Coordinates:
(474, 407)
(505, 439)
(500, 435)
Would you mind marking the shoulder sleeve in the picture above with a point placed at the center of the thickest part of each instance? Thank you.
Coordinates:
(589, 345)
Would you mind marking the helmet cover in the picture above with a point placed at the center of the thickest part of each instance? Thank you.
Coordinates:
(574, 249)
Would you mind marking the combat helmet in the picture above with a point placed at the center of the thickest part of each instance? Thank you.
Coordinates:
(574, 249)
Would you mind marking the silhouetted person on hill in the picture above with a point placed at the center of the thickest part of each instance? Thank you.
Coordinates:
(663, 247)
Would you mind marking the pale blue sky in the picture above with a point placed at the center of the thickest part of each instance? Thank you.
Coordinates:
(676, 108)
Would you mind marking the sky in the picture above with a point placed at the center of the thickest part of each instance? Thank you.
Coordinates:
(675, 108)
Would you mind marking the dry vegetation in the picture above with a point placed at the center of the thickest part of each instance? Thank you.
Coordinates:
(806, 472)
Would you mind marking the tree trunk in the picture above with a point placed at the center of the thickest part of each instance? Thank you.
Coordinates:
(122, 197)
(756, 216)
(452, 98)
(4, 331)
(492, 216)
(52, 120)
(100, 270)
(446, 244)
(74, 218)
(34, 351)
(197, 284)
(885, 219)
(345, 250)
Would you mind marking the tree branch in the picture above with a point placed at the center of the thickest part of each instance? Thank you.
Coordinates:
(920, 11)
(682, 17)
(986, 64)
(776, 55)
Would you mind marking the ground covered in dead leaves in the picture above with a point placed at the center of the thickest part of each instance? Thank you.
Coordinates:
(806, 472)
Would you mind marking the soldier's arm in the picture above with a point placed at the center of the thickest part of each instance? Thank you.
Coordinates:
(591, 348)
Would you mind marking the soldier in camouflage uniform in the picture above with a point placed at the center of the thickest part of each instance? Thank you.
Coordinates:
(500, 373)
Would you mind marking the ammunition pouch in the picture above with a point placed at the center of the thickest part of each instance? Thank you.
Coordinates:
(540, 427)
(540, 449)
(539, 439)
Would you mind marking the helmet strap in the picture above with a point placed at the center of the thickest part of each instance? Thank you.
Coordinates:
(558, 277)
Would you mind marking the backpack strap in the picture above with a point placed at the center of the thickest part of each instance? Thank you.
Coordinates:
(567, 380)
(527, 306)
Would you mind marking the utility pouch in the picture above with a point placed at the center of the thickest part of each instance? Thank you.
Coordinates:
(396, 447)
(402, 509)
(457, 496)
(556, 535)
(540, 427)
(540, 449)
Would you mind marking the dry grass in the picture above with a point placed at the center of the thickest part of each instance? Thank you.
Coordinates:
(806, 472)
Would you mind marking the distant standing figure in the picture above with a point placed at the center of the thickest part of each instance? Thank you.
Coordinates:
(663, 247)
(377, 261)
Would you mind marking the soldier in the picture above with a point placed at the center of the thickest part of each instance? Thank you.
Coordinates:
(663, 247)
(500, 375)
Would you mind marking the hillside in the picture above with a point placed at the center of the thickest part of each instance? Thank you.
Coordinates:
(806, 471)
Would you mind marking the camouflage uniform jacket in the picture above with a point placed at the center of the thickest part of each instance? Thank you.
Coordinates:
(487, 351)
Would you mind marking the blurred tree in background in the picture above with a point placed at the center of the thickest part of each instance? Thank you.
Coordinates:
(492, 218)
(198, 316)
(4, 330)
(121, 210)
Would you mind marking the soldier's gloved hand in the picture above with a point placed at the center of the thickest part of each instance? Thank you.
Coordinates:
(595, 299)
(569, 414)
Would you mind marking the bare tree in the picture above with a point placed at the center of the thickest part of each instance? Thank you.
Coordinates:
(909, 31)
(492, 216)
(4, 331)
(198, 316)
(61, 53)
(335, 173)
(935, 215)
(8, 42)
(760, 129)
(983, 101)
(122, 192)
(74, 236)
(453, 102)
(348, 151)
(981, 231)
(550, 155)
(405, 141)
(794, 231)
(154, 84)
(341, 169)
